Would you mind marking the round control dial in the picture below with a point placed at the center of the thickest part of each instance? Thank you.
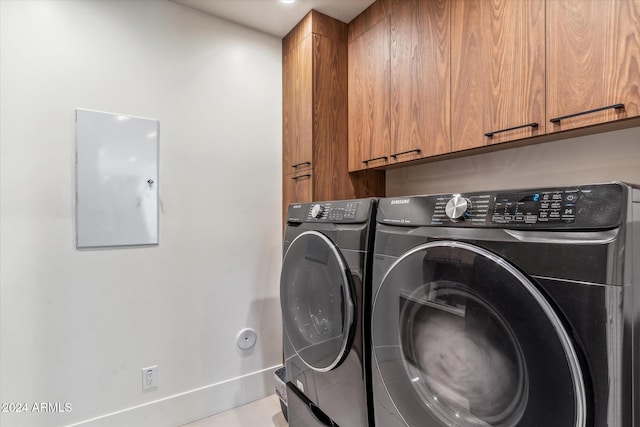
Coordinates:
(458, 208)
(317, 211)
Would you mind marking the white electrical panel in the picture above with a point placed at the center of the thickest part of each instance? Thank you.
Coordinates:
(116, 179)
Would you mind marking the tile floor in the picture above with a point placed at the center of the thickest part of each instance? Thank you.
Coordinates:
(260, 413)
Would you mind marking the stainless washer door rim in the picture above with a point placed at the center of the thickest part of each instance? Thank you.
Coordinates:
(562, 334)
(347, 298)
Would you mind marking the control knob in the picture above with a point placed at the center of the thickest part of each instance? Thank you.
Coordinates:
(317, 211)
(458, 208)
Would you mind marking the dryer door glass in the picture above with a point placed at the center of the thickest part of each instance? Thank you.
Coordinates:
(463, 338)
(316, 295)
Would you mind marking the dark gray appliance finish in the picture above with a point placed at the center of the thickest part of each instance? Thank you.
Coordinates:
(325, 300)
(508, 308)
(303, 412)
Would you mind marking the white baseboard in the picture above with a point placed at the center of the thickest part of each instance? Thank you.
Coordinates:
(183, 408)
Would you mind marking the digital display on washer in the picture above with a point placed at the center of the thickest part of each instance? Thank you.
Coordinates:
(535, 207)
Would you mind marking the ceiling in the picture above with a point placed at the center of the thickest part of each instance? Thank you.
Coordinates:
(273, 16)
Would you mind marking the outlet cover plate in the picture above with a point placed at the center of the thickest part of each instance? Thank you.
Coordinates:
(149, 377)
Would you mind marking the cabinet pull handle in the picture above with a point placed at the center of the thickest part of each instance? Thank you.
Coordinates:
(595, 110)
(528, 125)
(306, 175)
(375, 158)
(300, 164)
(415, 150)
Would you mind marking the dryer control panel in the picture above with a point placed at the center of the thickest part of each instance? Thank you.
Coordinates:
(342, 211)
(586, 206)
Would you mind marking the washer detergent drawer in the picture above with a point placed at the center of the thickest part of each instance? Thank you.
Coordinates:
(304, 413)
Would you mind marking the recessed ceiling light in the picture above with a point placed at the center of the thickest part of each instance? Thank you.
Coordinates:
(287, 1)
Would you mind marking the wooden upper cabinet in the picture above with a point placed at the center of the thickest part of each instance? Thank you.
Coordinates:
(330, 122)
(304, 51)
(497, 71)
(368, 99)
(593, 57)
(420, 80)
(314, 92)
(289, 112)
(297, 109)
(468, 64)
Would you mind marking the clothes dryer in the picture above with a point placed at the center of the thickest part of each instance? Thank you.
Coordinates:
(325, 300)
(508, 308)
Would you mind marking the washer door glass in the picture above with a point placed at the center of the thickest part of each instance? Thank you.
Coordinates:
(316, 292)
(463, 338)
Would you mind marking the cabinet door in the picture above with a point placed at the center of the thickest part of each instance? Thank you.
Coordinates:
(330, 121)
(304, 99)
(289, 113)
(420, 80)
(297, 107)
(368, 88)
(593, 52)
(498, 71)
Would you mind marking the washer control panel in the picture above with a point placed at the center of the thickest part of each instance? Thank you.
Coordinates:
(586, 206)
(557, 206)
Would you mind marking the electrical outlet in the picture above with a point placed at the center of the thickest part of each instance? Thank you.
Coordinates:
(149, 377)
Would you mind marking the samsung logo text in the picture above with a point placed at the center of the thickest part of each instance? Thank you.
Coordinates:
(400, 202)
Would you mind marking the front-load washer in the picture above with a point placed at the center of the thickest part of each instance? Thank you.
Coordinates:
(325, 300)
(508, 308)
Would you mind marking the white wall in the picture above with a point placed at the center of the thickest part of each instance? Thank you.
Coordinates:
(78, 326)
(603, 157)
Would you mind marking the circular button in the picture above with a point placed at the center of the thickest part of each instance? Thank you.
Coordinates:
(571, 197)
(317, 211)
(458, 208)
